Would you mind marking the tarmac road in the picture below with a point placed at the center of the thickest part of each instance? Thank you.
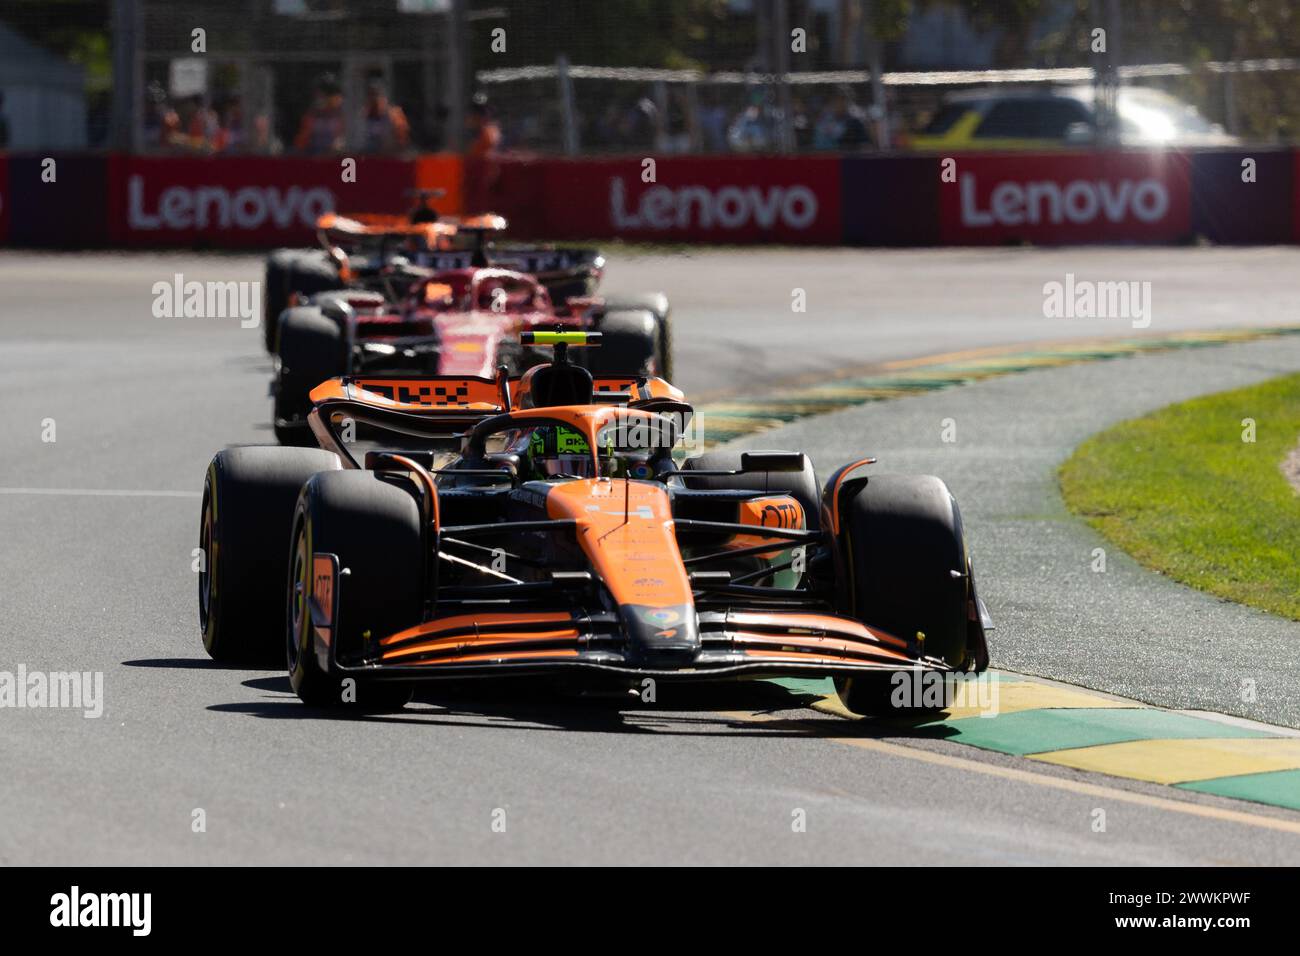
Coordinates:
(99, 582)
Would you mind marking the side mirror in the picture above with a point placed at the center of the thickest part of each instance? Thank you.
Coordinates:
(340, 260)
(781, 461)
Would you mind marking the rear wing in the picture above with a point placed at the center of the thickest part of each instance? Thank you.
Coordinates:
(544, 263)
(368, 224)
(460, 395)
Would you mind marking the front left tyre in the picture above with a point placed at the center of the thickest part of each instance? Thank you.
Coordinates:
(372, 524)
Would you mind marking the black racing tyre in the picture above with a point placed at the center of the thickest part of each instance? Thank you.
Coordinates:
(907, 564)
(629, 345)
(373, 526)
(306, 271)
(312, 349)
(563, 288)
(248, 503)
(664, 348)
(801, 485)
(656, 303)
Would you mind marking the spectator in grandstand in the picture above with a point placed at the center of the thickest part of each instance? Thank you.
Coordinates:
(681, 132)
(751, 131)
(240, 135)
(713, 122)
(484, 137)
(603, 134)
(162, 124)
(263, 138)
(231, 137)
(842, 124)
(203, 126)
(323, 128)
(639, 127)
(386, 129)
(801, 124)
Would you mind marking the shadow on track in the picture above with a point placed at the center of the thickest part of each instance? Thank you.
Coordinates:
(747, 709)
(195, 663)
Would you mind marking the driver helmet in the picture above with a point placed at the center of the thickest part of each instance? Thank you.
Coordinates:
(558, 450)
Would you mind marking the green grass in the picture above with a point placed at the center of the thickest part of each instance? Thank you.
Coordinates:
(1181, 492)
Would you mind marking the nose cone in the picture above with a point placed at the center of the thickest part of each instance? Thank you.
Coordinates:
(661, 637)
(626, 529)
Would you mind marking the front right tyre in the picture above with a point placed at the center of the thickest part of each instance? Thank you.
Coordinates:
(249, 496)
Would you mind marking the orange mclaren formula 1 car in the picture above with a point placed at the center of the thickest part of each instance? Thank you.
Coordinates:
(458, 527)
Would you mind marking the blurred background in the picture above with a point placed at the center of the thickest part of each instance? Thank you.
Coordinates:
(696, 77)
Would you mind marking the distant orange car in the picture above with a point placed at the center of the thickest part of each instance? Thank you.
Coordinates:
(450, 527)
(382, 253)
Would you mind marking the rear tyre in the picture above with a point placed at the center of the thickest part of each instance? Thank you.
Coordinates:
(908, 568)
(312, 350)
(801, 485)
(305, 271)
(657, 304)
(630, 344)
(373, 526)
(664, 348)
(248, 503)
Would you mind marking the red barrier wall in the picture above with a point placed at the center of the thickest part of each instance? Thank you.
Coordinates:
(1060, 197)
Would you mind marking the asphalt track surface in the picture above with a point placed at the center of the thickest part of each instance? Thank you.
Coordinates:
(103, 582)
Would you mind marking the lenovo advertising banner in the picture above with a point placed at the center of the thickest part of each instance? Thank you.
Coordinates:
(1047, 198)
(247, 200)
(721, 199)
